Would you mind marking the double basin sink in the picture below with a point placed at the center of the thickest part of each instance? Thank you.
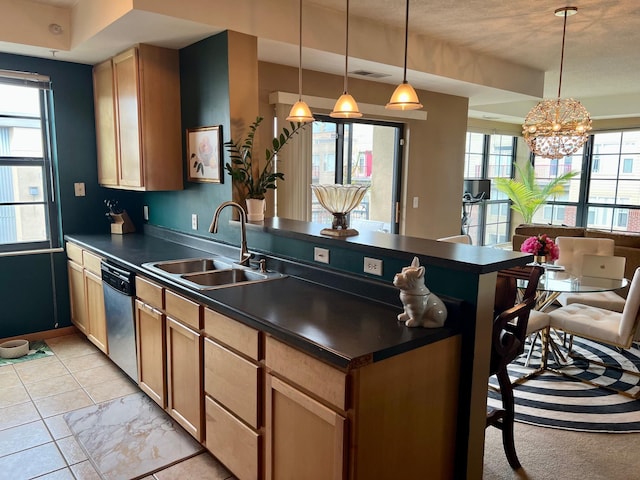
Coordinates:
(209, 273)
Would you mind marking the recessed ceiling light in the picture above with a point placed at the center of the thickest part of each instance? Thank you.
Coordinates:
(55, 29)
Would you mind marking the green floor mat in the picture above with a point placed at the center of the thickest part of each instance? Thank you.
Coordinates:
(37, 349)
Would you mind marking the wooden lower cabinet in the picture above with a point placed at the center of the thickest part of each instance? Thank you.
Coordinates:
(151, 346)
(78, 299)
(304, 439)
(97, 331)
(86, 295)
(184, 376)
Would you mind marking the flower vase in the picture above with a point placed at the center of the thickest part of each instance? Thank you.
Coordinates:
(540, 259)
(255, 209)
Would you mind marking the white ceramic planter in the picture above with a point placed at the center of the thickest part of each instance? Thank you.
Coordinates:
(255, 209)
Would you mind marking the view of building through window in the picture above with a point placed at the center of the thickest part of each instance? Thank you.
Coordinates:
(489, 157)
(24, 169)
(362, 154)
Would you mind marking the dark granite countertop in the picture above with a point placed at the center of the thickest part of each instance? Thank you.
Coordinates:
(341, 328)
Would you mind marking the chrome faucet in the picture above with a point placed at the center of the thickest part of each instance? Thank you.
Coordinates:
(244, 252)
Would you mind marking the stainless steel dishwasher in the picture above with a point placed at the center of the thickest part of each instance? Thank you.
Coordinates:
(119, 302)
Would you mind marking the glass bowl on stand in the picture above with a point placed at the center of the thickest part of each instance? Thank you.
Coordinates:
(339, 200)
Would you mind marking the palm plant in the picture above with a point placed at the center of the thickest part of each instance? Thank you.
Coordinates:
(527, 195)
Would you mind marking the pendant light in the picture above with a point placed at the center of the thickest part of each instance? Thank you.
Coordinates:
(300, 111)
(558, 127)
(346, 106)
(404, 97)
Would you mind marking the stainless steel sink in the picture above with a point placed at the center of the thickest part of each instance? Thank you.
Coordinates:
(209, 273)
(192, 265)
(225, 277)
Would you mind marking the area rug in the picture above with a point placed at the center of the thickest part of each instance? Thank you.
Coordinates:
(37, 349)
(130, 437)
(552, 400)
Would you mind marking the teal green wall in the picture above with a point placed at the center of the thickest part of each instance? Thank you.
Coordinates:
(204, 98)
(26, 288)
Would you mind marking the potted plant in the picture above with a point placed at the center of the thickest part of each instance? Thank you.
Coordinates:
(245, 169)
(526, 195)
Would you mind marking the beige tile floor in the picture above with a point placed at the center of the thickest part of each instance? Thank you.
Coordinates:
(35, 441)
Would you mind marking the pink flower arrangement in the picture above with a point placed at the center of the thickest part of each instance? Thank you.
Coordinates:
(541, 245)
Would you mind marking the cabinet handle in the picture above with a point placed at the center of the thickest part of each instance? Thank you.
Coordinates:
(150, 309)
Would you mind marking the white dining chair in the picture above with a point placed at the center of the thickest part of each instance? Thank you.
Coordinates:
(466, 239)
(602, 325)
(571, 255)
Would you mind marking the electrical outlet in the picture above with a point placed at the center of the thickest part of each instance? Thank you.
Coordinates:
(78, 188)
(373, 266)
(321, 254)
(194, 221)
(145, 212)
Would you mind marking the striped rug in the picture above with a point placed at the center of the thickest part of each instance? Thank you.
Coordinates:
(552, 400)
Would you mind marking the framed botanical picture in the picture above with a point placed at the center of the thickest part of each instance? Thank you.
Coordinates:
(204, 158)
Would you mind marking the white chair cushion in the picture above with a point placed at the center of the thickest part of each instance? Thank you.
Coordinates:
(537, 321)
(590, 322)
(608, 300)
(571, 250)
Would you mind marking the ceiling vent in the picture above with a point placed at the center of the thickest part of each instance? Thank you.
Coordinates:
(367, 73)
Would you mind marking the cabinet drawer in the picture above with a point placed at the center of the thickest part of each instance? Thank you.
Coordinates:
(232, 442)
(91, 262)
(74, 252)
(232, 381)
(149, 292)
(183, 309)
(325, 381)
(232, 333)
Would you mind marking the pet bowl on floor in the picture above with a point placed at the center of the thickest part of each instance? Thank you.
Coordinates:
(14, 348)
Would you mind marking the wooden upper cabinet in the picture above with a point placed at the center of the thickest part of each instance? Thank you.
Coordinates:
(138, 131)
(105, 123)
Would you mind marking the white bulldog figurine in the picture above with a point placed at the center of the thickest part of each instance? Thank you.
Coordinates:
(421, 307)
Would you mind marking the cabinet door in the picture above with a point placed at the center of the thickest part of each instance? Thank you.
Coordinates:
(298, 427)
(105, 123)
(96, 320)
(184, 376)
(151, 346)
(127, 98)
(76, 292)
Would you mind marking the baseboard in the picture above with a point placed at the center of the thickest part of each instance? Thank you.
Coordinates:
(58, 332)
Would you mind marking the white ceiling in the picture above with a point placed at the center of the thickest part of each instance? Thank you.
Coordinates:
(601, 65)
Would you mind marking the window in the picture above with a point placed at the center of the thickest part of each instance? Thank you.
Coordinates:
(28, 214)
(362, 152)
(608, 198)
(488, 157)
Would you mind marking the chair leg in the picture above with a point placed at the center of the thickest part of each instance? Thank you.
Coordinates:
(508, 442)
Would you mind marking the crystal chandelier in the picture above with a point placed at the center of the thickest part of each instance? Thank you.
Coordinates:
(559, 127)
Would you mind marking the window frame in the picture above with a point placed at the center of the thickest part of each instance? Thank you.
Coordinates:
(484, 207)
(588, 212)
(49, 197)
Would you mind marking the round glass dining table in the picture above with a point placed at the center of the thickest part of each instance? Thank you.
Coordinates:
(555, 282)
(550, 285)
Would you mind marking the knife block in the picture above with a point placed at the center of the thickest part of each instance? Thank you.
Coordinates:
(121, 223)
